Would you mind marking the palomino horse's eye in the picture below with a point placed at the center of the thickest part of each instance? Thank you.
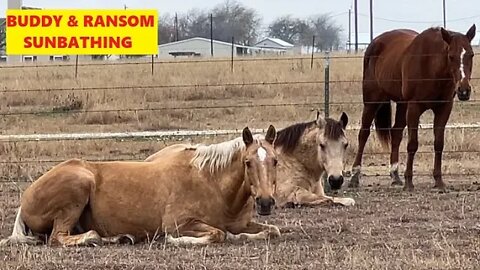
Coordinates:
(322, 146)
(346, 145)
(275, 162)
(247, 163)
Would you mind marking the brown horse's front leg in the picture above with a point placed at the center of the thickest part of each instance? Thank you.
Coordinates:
(254, 231)
(442, 114)
(414, 112)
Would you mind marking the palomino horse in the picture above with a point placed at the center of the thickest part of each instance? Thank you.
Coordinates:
(194, 194)
(419, 72)
(306, 151)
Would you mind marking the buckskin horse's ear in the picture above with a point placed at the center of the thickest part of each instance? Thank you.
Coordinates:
(446, 36)
(247, 136)
(344, 120)
(271, 134)
(320, 120)
(471, 33)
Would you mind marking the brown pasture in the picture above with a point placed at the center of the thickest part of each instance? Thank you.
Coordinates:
(387, 229)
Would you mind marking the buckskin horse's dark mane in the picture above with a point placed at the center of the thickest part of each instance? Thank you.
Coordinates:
(289, 137)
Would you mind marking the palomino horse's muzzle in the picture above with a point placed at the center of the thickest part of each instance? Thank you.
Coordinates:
(335, 182)
(264, 206)
(463, 93)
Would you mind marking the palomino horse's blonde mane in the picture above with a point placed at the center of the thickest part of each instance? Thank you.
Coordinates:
(218, 156)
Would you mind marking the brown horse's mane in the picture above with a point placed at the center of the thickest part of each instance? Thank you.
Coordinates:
(289, 137)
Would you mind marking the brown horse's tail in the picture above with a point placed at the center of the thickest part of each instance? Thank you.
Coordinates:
(383, 123)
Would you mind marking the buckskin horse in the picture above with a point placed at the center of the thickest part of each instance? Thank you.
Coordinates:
(195, 194)
(306, 151)
(419, 72)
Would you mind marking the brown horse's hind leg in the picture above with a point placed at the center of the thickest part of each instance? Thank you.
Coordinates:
(396, 136)
(442, 113)
(368, 114)
(197, 233)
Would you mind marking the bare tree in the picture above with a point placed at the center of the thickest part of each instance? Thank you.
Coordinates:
(326, 31)
(288, 29)
(3, 41)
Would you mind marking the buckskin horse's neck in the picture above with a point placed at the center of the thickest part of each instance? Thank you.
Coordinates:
(307, 152)
(232, 186)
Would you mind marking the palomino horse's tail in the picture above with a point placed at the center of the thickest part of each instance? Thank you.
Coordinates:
(19, 233)
(383, 123)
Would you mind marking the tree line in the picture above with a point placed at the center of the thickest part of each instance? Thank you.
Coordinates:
(232, 18)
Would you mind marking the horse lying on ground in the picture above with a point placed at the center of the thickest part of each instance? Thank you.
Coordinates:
(306, 151)
(419, 72)
(193, 194)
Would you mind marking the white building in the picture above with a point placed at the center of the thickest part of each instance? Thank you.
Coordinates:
(201, 47)
(275, 44)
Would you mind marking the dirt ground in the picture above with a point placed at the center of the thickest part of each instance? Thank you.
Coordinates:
(386, 229)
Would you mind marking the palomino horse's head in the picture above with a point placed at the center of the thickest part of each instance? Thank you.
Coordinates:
(332, 145)
(260, 169)
(460, 60)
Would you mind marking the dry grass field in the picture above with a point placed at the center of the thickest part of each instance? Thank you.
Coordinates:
(387, 229)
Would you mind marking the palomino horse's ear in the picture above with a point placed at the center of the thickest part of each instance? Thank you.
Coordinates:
(271, 134)
(344, 120)
(320, 120)
(247, 136)
(446, 36)
(471, 32)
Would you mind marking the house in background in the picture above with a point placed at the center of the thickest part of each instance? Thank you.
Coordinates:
(269, 43)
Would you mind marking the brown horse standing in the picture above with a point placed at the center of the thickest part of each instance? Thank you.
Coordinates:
(419, 72)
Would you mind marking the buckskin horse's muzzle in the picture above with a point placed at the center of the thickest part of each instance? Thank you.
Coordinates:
(463, 93)
(264, 206)
(335, 182)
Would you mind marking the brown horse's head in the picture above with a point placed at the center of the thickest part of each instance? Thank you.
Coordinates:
(332, 145)
(260, 169)
(460, 60)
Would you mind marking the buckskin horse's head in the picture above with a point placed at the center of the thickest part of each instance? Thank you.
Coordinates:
(460, 60)
(260, 169)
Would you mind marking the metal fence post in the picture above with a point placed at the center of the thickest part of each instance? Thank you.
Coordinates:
(327, 84)
(76, 66)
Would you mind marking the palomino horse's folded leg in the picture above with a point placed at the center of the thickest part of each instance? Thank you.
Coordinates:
(197, 233)
(90, 238)
(254, 231)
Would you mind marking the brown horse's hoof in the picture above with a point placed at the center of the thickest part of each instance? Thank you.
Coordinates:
(408, 188)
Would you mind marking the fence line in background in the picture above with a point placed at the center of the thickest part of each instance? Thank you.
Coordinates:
(205, 85)
(210, 60)
(167, 134)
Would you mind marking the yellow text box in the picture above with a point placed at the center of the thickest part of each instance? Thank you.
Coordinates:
(84, 32)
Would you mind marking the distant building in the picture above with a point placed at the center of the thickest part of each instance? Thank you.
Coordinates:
(201, 47)
(275, 44)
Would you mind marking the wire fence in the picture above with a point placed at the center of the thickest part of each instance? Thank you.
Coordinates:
(175, 134)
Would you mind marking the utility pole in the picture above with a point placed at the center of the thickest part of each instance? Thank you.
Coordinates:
(349, 30)
(371, 20)
(356, 25)
(176, 27)
(444, 15)
(211, 34)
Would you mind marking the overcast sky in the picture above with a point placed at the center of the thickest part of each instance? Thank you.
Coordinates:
(389, 14)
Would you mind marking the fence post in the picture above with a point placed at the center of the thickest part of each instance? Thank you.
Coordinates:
(76, 66)
(327, 84)
(152, 64)
(313, 50)
(232, 51)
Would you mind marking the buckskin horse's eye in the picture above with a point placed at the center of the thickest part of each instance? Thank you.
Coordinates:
(346, 145)
(322, 146)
